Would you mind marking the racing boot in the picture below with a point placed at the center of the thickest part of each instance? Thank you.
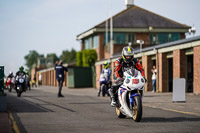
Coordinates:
(113, 102)
(99, 91)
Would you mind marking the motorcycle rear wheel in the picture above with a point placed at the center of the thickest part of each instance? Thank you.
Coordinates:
(137, 109)
(119, 114)
(103, 90)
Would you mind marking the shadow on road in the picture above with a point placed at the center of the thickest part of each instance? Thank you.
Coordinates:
(174, 119)
(15, 104)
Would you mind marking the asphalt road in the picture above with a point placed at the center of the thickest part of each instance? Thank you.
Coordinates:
(81, 111)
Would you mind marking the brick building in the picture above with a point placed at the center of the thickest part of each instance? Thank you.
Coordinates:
(133, 23)
(178, 59)
(159, 34)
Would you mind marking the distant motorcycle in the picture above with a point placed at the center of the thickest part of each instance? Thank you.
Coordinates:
(20, 83)
(104, 85)
(129, 95)
(10, 83)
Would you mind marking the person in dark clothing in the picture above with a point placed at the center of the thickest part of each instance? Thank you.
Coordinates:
(60, 75)
(123, 63)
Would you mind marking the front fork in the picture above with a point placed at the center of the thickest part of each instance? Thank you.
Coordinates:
(131, 97)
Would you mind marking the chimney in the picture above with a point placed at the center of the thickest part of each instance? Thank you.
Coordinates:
(129, 3)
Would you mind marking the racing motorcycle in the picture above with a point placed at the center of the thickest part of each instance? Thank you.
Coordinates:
(20, 83)
(129, 99)
(10, 83)
(104, 85)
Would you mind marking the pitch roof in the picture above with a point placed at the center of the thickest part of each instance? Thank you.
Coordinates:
(137, 17)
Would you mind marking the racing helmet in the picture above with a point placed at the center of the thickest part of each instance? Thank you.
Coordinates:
(11, 72)
(106, 64)
(21, 68)
(127, 54)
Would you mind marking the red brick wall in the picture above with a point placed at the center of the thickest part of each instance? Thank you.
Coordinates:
(162, 75)
(143, 36)
(196, 51)
(118, 48)
(82, 45)
(98, 72)
(179, 64)
(100, 52)
(182, 36)
(147, 66)
(106, 52)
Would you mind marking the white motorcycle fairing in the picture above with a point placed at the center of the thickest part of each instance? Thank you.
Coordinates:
(134, 83)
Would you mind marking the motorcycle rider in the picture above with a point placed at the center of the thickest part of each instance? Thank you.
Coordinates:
(124, 62)
(20, 73)
(9, 76)
(106, 72)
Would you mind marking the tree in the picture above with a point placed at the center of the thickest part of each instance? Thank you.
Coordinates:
(86, 58)
(53, 56)
(68, 56)
(31, 58)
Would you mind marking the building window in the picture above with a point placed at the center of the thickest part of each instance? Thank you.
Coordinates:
(96, 41)
(120, 38)
(86, 44)
(91, 42)
(162, 38)
(153, 39)
(174, 37)
(130, 38)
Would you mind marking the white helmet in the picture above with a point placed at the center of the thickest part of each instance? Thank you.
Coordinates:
(11, 72)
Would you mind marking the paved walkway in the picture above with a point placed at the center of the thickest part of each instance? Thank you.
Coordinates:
(153, 100)
(4, 123)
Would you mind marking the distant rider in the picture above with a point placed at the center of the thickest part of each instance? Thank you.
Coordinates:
(9, 76)
(106, 72)
(20, 73)
(124, 62)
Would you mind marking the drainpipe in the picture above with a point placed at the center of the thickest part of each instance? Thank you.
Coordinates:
(157, 58)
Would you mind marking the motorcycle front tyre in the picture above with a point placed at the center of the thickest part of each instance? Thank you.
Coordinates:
(137, 109)
(119, 114)
(19, 93)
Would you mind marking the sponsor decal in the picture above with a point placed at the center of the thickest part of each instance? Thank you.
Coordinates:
(135, 81)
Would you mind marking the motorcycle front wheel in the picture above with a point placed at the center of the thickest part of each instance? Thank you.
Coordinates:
(137, 109)
(19, 93)
(119, 114)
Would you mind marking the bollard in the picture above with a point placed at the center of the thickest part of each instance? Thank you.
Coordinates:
(179, 90)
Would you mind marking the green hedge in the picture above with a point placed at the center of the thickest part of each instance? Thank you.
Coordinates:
(86, 58)
(79, 58)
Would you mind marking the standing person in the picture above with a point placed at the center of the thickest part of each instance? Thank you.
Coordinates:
(60, 75)
(154, 71)
(34, 82)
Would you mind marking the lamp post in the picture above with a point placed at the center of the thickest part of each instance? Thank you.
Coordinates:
(141, 42)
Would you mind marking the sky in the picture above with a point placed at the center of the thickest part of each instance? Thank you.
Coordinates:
(51, 26)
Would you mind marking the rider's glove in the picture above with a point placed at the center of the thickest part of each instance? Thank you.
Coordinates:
(120, 80)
